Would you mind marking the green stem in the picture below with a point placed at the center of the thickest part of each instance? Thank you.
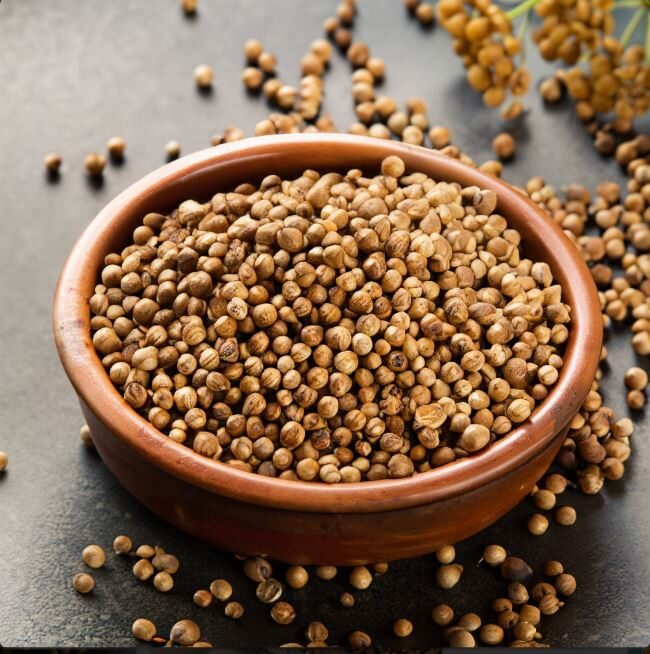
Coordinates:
(521, 9)
(523, 29)
(631, 26)
(627, 4)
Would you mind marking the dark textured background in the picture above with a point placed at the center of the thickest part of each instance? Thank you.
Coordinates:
(73, 74)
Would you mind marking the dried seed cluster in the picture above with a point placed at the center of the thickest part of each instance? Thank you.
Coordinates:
(484, 39)
(331, 327)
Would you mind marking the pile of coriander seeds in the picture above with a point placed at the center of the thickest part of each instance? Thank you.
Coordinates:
(331, 327)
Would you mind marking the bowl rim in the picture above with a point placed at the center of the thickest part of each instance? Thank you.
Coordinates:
(71, 318)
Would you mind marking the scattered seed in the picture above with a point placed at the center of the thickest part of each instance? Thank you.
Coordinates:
(83, 583)
(565, 516)
(234, 610)
(163, 582)
(447, 576)
(143, 629)
(221, 589)
(283, 613)
(402, 628)
(94, 164)
(202, 598)
(122, 545)
(203, 76)
(52, 162)
(185, 633)
(93, 556)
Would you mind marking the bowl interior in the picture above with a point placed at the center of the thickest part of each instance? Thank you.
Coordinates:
(200, 176)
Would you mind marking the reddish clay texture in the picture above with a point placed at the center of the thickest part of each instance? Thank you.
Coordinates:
(307, 522)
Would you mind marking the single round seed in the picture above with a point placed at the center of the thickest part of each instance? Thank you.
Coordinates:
(297, 577)
(544, 499)
(537, 524)
(93, 556)
(202, 598)
(517, 593)
(143, 629)
(122, 545)
(461, 638)
(86, 436)
(203, 76)
(360, 577)
(636, 379)
(94, 164)
(552, 568)
(173, 149)
(565, 584)
(402, 628)
(269, 591)
(446, 554)
(283, 613)
(565, 516)
(346, 600)
(442, 615)
(221, 589)
(491, 634)
(83, 583)
(145, 551)
(116, 147)
(359, 640)
(316, 632)
(504, 145)
(326, 572)
(143, 569)
(185, 633)
(52, 162)
(447, 576)
(494, 555)
(257, 568)
(163, 582)
(233, 610)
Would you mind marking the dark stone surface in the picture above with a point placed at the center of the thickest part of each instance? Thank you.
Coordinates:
(73, 74)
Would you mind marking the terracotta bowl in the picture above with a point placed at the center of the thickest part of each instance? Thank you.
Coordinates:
(303, 522)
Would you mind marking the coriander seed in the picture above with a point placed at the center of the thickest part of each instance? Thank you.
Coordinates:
(93, 556)
(257, 569)
(172, 150)
(515, 569)
(52, 163)
(565, 584)
(269, 591)
(446, 554)
(221, 589)
(122, 545)
(537, 524)
(316, 632)
(447, 576)
(283, 613)
(83, 583)
(94, 164)
(565, 516)
(346, 600)
(442, 615)
(233, 610)
(326, 572)
(360, 577)
(461, 638)
(203, 76)
(494, 555)
(552, 568)
(202, 598)
(116, 147)
(145, 551)
(359, 640)
(143, 629)
(163, 582)
(297, 577)
(86, 437)
(143, 569)
(185, 633)
(402, 628)
(504, 146)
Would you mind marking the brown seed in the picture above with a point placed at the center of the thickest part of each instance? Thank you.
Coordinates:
(163, 582)
(515, 569)
(442, 615)
(316, 632)
(360, 577)
(86, 437)
(52, 163)
(257, 568)
(116, 147)
(491, 634)
(359, 640)
(252, 50)
(94, 164)
(122, 545)
(565, 584)
(494, 555)
(83, 583)
(143, 569)
(221, 589)
(94, 556)
(504, 146)
(447, 576)
(143, 629)
(461, 638)
(326, 572)
(297, 576)
(173, 150)
(402, 628)
(203, 76)
(185, 633)
(537, 524)
(565, 516)
(233, 610)
(202, 598)
(283, 613)
(269, 591)
(346, 600)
